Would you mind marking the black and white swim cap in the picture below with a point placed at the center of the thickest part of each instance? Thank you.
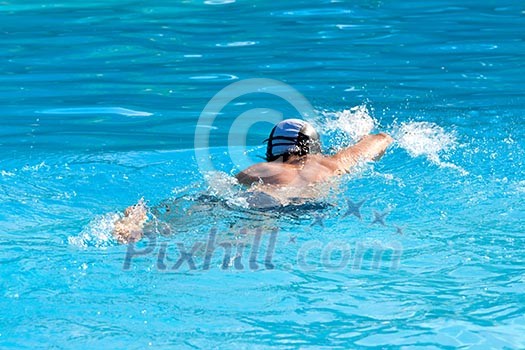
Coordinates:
(292, 137)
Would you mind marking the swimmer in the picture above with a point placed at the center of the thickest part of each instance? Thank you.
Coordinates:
(294, 162)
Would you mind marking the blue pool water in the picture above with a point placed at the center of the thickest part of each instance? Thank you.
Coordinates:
(100, 107)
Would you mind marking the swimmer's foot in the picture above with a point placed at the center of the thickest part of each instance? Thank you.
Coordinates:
(129, 228)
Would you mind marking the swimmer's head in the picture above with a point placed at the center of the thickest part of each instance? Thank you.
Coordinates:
(292, 137)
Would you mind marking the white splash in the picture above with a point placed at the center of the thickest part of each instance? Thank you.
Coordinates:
(98, 233)
(423, 138)
(36, 167)
(225, 187)
(355, 122)
(426, 139)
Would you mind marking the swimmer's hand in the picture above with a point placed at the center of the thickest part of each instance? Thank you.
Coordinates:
(129, 228)
(385, 140)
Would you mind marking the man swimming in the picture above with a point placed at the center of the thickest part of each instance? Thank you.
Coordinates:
(294, 164)
(294, 158)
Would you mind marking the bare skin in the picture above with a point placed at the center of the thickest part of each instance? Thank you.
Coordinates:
(297, 173)
(129, 228)
(310, 169)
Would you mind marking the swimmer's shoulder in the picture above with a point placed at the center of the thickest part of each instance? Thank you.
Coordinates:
(324, 163)
(249, 175)
(271, 173)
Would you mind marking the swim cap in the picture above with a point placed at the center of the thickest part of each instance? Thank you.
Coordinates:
(292, 137)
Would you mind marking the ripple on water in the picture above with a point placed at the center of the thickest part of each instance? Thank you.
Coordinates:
(237, 44)
(216, 77)
(97, 110)
(218, 2)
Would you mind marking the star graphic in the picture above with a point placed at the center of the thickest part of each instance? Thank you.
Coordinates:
(379, 218)
(318, 220)
(400, 230)
(353, 208)
(292, 240)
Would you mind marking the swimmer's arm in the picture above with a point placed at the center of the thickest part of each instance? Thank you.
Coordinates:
(370, 147)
